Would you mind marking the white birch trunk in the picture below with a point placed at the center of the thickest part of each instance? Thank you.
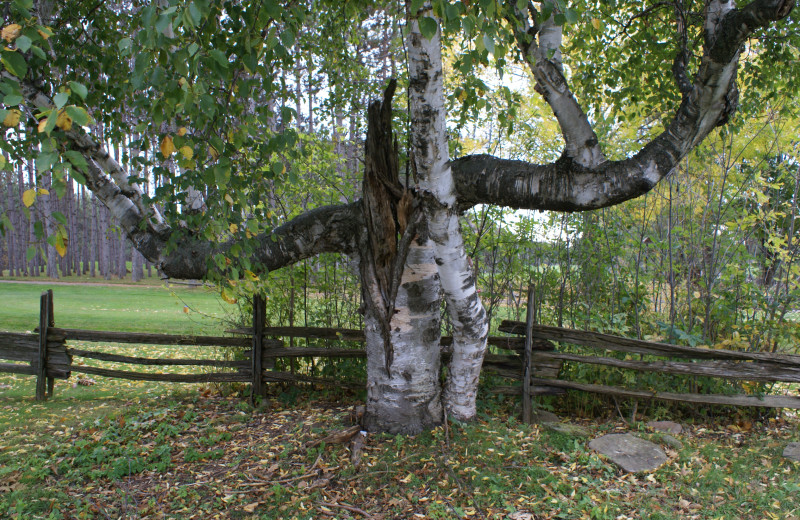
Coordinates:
(406, 398)
(431, 159)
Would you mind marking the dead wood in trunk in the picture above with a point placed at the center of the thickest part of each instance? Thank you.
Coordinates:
(389, 211)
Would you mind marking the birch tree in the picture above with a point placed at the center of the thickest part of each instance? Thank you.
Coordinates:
(200, 71)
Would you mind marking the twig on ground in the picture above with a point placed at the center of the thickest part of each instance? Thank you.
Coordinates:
(346, 507)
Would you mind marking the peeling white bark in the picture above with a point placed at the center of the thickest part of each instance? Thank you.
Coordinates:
(407, 398)
(431, 158)
(543, 55)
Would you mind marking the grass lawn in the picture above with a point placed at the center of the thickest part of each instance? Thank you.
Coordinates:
(156, 308)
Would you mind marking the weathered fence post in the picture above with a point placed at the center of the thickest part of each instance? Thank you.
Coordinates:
(44, 384)
(257, 352)
(527, 362)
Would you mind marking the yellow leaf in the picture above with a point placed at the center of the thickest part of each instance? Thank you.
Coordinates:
(61, 244)
(187, 151)
(42, 124)
(11, 32)
(42, 191)
(43, 34)
(225, 295)
(249, 508)
(596, 24)
(28, 197)
(213, 152)
(167, 146)
(248, 234)
(182, 131)
(63, 121)
(234, 228)
(12, 118)
(2, 161)
(462, 96)
(229, 199)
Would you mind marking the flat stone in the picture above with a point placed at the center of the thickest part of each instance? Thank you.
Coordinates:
(543, 416)
(792, 451)
(666, 427)
(567, 429)
(671, 441)
(630, 453)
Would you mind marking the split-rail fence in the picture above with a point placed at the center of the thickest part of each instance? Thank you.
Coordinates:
(531, 356)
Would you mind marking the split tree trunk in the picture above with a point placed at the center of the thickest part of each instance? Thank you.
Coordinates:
(401, 292)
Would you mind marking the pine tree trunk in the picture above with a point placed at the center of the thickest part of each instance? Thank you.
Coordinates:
(93, 234)
(136, 265)
(122, 262)
(47, 202)
(103, 243)
(21, 225)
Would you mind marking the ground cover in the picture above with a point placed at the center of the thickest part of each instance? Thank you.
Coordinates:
(108, 448)
(197, 455)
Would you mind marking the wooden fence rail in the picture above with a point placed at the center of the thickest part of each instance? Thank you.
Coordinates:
(532, 359)
(719, 363)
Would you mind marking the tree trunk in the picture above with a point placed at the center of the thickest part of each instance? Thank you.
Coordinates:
(430, 156)
(406, 396)
(93, 235)
(47, 203)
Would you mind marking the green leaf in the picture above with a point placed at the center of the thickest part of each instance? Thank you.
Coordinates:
(12, 100)
(14, 63)
(219, 57)
(60, 217)
(79, 89)
(79, 115)
(60, 99)
(488, 42)
(288, 38)
(23, 43)
(76, 159)
(38, 52)
(222, 175)
(45, 160)
(571, 15)
(416, 5)
(30, 253)
(51, 122)
(428, 27)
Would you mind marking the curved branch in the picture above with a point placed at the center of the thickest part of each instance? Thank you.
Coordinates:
(570, 185)
(540, 45)
(181, 254)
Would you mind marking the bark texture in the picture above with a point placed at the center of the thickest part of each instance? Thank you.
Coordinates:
(430, 156)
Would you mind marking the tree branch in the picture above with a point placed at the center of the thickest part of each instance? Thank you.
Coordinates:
(541, 48)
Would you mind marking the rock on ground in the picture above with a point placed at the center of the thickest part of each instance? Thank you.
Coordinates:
(630, 453)
(792, 451)
(567, 429)
(666, 427)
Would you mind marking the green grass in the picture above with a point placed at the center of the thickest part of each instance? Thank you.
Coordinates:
(128, 309)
